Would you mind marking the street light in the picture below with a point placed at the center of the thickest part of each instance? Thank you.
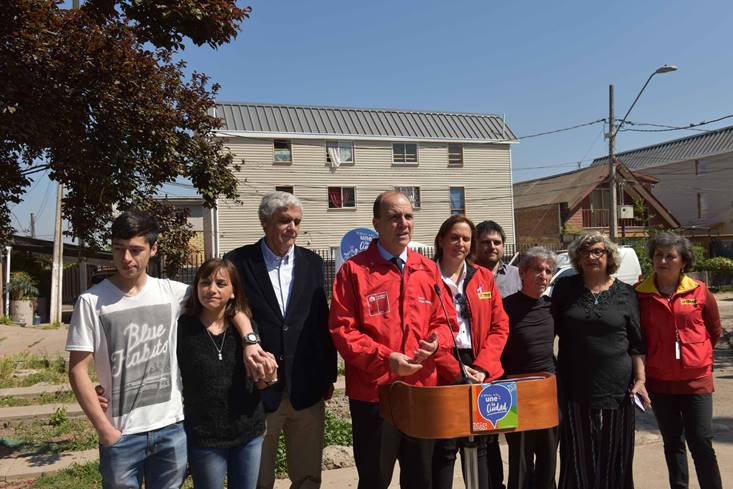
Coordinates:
(612, 132)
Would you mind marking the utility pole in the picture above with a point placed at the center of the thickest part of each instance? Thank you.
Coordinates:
(33, 226)
(612, 216)
(82, 267)
(57, 268)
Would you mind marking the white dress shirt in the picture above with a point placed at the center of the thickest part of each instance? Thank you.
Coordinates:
(280, 270)
(463, 338)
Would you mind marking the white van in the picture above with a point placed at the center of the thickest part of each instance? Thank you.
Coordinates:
(629, 271)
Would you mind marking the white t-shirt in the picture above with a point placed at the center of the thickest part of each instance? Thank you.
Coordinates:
(133, 339)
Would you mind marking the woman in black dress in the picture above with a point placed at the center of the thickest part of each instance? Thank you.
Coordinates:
(600, 368)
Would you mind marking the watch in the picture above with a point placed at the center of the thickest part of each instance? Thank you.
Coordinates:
(251, 339)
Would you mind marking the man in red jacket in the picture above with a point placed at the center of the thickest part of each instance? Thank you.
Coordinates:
(386, 321)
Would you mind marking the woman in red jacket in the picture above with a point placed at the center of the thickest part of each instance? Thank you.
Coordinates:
(681, 323)
(483, 329)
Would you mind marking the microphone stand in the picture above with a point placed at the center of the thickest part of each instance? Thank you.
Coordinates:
(470, 446)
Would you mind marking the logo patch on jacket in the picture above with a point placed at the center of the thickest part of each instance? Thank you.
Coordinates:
(688, 302)
(378, 303)
(483, 294)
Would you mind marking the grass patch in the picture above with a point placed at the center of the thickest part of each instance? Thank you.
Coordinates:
(26, 369)
(78, 476)
(46, 398)
(57, 434)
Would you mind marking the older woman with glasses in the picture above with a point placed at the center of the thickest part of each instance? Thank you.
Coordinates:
(600, 368)
(483, 328)
(681, 323)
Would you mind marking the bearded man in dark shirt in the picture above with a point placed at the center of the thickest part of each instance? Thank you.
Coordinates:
(529, 348)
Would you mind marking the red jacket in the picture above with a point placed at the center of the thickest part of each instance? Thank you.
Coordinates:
(376, 311)
(692, 316)
(489, 322)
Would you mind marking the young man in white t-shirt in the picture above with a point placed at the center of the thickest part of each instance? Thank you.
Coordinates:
(127, 324)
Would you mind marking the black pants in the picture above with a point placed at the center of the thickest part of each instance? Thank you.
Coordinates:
(444, 461)
(687, 417)
(493, 459)
(532, 459)
(378, 444)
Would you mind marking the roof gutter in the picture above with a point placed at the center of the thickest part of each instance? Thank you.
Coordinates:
(353, 137)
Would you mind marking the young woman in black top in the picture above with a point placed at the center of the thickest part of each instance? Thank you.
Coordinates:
(224, 418)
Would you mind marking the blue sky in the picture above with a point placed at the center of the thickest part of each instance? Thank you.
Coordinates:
(545, 65)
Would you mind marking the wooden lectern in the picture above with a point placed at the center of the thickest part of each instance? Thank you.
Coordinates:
(446, 411)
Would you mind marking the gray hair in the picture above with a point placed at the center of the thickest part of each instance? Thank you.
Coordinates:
(272, 201)
(537, 254)
(584, 241)
(667, 240)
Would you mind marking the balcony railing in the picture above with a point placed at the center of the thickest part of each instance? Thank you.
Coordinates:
(600, 218)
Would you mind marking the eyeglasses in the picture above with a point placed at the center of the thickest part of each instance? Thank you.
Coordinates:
(460, 299)
(595, 252)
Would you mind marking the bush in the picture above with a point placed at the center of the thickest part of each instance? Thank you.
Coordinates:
(22, 287)
(718, 264)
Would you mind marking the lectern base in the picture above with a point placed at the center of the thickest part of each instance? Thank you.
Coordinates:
(470, 456)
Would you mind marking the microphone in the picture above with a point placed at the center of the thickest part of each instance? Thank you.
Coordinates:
(464, 375)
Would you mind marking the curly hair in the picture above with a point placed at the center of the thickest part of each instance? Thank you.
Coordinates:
(585, 241)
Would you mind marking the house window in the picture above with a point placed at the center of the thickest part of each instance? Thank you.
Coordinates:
(412, 193)
(285, 188)
(341, 197)
(340, 153)
(404, 153)
(282, 151)
(702, 206)
(457, 200)
(600, 198)
(700, 167)
(455, 155)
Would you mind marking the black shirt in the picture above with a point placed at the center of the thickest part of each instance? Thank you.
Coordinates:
(598, 334)
(531, 335)
(221, 405)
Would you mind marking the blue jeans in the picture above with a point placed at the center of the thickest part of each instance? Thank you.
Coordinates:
(240, 465)
(159, 456)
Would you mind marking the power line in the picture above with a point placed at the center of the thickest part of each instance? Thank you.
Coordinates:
(561, 130)
(690, 126)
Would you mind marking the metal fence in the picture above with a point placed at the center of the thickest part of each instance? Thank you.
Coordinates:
(188, 271)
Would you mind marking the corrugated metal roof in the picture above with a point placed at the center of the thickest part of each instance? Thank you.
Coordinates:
(684, 149)
(364, 123)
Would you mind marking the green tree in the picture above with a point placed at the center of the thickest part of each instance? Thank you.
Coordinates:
(94, 97)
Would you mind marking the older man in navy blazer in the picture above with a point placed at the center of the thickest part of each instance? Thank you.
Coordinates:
(284, 287)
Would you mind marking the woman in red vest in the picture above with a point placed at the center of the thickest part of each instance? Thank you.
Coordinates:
(681, 323)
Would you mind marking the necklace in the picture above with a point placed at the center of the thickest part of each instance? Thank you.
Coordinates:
(595, 296)
(218, 348)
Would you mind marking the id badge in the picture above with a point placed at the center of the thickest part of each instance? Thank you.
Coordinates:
(676, 350)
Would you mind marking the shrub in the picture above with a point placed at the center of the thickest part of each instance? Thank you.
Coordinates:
(22, 287)
(718, 264)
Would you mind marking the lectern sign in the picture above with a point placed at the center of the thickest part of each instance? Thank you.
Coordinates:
(494, 406)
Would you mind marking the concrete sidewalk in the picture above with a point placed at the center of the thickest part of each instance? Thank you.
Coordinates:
(35, 390)
(41, 411)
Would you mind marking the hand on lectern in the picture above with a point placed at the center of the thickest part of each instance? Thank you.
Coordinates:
(476, 376)
(402, 365)
(428, 346)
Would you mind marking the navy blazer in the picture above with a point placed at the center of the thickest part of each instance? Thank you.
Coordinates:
(300, 341)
